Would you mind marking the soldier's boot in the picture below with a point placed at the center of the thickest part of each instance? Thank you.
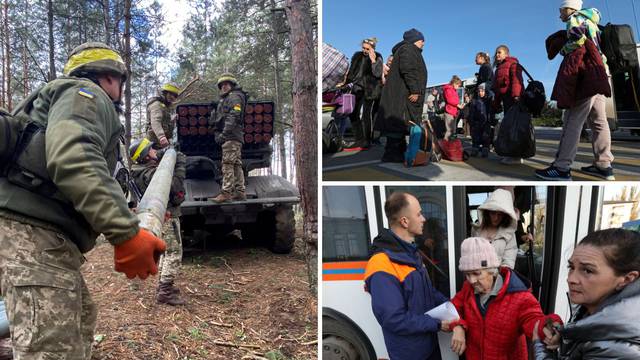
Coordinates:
(239, 196)
(222, 197)
(167, 294)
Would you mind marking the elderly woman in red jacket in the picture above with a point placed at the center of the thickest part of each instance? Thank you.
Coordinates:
(496, 307)
(507, 86)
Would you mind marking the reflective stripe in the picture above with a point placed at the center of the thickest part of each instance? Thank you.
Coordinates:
(88, 56)
(141, 147)
(380, 262)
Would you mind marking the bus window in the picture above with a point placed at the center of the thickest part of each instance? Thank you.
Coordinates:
(434, 240)
(620, 206)
(345, 230)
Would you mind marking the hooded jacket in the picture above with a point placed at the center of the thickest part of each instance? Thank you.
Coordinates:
(499, 333)
(451, 100)
(612, 332)
(401, 293)
(159, 122)
(507, 80)
(504, 241)
(229, 115)
(408, 75)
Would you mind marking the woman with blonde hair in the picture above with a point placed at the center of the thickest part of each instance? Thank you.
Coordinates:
(452, 105)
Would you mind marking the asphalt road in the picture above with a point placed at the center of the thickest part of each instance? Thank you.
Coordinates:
(366, 165)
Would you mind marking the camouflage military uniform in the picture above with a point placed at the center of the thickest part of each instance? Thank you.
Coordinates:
(159, 122)
(230, 133)
(42, 237)
(142, 174)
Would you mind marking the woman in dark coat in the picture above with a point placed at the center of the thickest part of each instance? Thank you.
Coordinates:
(402, 95)
(603, 281)
(365, 73)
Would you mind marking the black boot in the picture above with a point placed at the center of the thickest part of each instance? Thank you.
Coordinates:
(394, 150)
(168, 294)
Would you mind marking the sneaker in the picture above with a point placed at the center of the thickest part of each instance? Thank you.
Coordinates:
(511, 161)
(552, 173)
(606, 174)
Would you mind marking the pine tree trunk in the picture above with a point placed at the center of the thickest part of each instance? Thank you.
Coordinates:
(52, 46)
(127, 61)
(305, 126)
(107, 32)
(7, 55)
(4, 74)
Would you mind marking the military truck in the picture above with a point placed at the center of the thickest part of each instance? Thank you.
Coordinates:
(266, 216)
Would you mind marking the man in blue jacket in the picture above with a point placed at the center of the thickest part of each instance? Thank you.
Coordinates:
(400, 289)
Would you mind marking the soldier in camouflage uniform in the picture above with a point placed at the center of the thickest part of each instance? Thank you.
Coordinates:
(146, 160)
(56, 197)
(160, 123)
(229, 125)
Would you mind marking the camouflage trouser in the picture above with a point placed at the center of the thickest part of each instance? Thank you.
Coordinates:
(232, 175)
(171, 261)
(50, 311)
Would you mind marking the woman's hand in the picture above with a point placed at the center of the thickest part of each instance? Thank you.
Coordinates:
(458, 342)
(414, 97)
(551, 336)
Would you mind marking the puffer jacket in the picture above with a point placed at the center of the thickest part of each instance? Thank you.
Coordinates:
(499, 333)
(507, 80)
(504, 242)
(451, 99)
(401, 293)
(581, 75)
(612, 332)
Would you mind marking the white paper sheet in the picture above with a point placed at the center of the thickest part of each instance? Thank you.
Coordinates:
(446, 311)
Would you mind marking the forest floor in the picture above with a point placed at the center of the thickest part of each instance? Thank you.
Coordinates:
(243, 302)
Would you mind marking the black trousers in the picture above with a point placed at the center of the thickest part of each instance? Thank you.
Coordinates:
(362, 123)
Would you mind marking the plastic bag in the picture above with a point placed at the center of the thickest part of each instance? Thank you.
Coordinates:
(516, 136)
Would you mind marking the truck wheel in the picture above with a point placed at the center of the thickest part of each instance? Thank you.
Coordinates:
(284, 234)
(340, 341)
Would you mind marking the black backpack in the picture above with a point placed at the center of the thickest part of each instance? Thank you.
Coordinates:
(533, 96)
(619, 46)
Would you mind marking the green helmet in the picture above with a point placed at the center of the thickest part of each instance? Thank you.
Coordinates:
(171, 87)
(139, 149)
(227, 77)
(94, 58)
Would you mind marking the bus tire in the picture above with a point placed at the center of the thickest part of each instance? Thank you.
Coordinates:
(341, 341)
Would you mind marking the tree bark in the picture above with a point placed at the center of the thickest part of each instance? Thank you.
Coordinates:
(52, 46)
(305, 126)
(107, 18)
(278, 107)
(7, 55)
(127, 61)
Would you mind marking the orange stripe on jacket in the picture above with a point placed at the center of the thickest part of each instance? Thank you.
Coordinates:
(381, 262)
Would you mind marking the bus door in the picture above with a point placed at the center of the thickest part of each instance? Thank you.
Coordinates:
(531, 203)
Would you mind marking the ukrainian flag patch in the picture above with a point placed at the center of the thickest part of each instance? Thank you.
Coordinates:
(86, 93)
(237, 107)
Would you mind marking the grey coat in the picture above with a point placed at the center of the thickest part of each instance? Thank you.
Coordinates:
(612, 332)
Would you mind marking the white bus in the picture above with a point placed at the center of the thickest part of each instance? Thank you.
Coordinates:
(557, 217)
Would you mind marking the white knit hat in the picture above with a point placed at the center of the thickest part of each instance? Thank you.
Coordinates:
(573, 4)
(477, 253)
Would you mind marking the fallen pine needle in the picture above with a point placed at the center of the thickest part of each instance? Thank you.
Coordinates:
(141, 304)
(310, 342)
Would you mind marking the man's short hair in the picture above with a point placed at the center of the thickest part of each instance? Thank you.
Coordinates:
(396, 202)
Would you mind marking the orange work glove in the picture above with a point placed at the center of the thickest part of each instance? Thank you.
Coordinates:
(139, 255)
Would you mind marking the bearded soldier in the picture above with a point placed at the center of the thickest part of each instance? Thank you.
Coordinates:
(56, 197)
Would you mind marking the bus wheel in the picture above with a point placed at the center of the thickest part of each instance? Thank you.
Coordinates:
(341, 342)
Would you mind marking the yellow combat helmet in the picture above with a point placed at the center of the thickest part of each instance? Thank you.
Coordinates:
(139, 149)
(94, 58)
(171, 87)
(227, 77)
